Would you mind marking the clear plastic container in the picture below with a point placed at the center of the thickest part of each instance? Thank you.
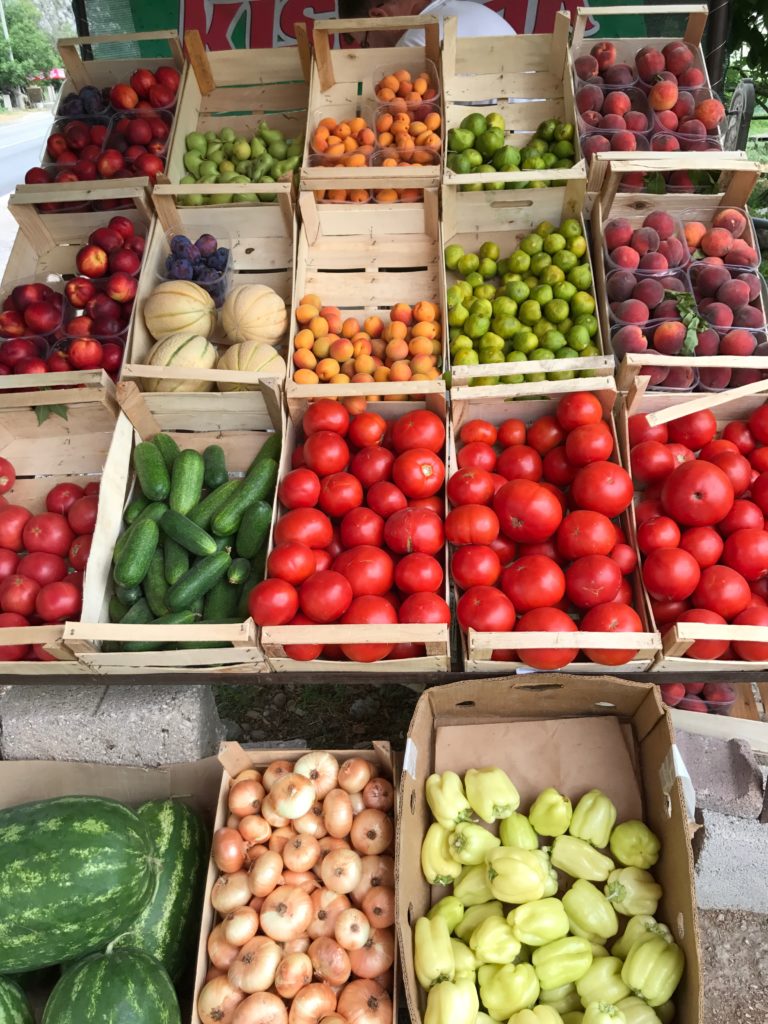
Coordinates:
(613, 142)
(415, 66)
(216, 281)
(106, 322)
(638, 104)
(686, 379)
(80, 133)
(16, 298)
(706, 698)
(711, 278)
(419, 156)
(160, 123)
(678, 233)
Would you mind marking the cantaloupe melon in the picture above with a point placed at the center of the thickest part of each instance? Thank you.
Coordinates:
(191, 351)
(176, 306)
(254, 312)
(254, 357)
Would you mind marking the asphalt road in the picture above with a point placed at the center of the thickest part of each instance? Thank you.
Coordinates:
(21, 142)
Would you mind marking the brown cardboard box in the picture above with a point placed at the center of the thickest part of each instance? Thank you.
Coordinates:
(571, 732)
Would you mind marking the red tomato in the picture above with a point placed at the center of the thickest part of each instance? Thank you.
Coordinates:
(307, 526)
(302, 652)
(291, 562)
(386, 498)
(739, 433)
(665, 612)
(339, 494)
(658, 532)
(372, 464)
(625, 558)
(527, 512)
(556, 467)
(361, 526)
(533, 581)
(640, 430)
(323, 559)
(591, 443)
(704, 543)
(273, 602)
(671, 574)
(477, 455)
(7, 475)
(82, 514)
(557, 492)
(520, 462)
(709, 649)
(111, 356)
(79, 551)
(18, 594)
(326, 452)
(717, 447)
(475, 565)
(603, 487)
(367, 610)
(544, 434)
(591, 580)
(697, 494)
(470, 486)
(13, 652)
(651, 461)
(485, 609)
(546, 620)
(695, 430)
(504, 548)
(511, 432)
(418, 472)
(13, 519)
(325, 596)
(418, 429)
(736, 468)
(744, 515)
(578, 409)
(625, 593)
(614, 617)
(335, 547)
(325, 414)
(48, 532)
(759, 491)
(647, 509)
(62, 497)
(299, 489)
(478, 430)
(59, 601)
(498, 481)
(366, 429)
(368, 569)
(751, 650)
(414, 529)
(746, 551)
(40, 653)
(425, 608)
(76, 579)
(758, 459)
(585, 533)
(471, 524)
(681, 453)
(297, 457)
(758, 424)
(418, 573)
(401, 651)
(9, 562)
(434, 504)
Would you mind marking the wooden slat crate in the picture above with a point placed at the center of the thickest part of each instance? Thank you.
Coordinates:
(240, 427)
(58, 450)
(435, 637)
(722, 165)
(737, 404)
(476, 647)
(505, 217)
(261, 239)
(526, 79)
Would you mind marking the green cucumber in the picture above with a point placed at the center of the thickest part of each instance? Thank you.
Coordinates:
(138, 614)
(254, 529)
(134, 507)
(151, 470)
(180, 618)
(117, 609)
(215, 466)
(256, 575)
(128, 595)
(199, 580)
(225, 543)
(203, 513)
(239, 570)
(260, 564)
(188, 534)
(155, 586)
(199, 645)
(176, 560)
(221, 601)
(186, 481)
(168, 449)
(133, 563)
(269, 450)
(258, 483)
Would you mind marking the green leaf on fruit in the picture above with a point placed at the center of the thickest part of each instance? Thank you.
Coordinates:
(689, 314)
(44, 411)
(655, 184)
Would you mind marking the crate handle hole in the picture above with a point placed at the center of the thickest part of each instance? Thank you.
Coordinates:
(413, 801)
(465, 704)
(604, 704)
(410, 914)
(540, 687)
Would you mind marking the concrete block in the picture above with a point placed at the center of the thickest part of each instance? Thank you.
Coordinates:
(132, 725)
(731, 855)
(724, 773)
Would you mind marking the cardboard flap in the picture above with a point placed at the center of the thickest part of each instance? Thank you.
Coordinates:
(234, 759)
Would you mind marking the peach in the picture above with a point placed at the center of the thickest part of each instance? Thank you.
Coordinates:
(635, 180)
(741, 377)
(617, 232)
(748, 316)
(692, 128)
(425, 312)
(612, 123)
(649, 62)
(678, 57)
(349, 328)
(589, 97)
(586, 66)
(733, 294)
(623, 142)
(685, 105)
(718, 314)
(711, 112)
(664, 144)
(626, 257)
(752, 281)
(668, 337)
(708, 343)
(667, 119)
(631, 311)
(650, 291)
(681, 180)
(604, 53)
(401, 312)
(645, 240)
(663, 96)
(694, 232)
(742, 255)
(691, 78)
(680, 378)
(341, 349)
(619, 74)
(636, 121)
(595, 144)
(619, 285)
(656, 374)
(654, 262)
(738, 343)
(591, 118)
(662, 223)
(732, 220)
(629, 339)
(717, 242)
(666, 309)
(710, 279)
(672, 250)
(716, 378)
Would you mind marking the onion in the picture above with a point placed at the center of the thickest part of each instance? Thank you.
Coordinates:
(326, 907)
(292, 795)
(241, 925)
(311, 823)
(330, 961)
(327, 845)
(293, 972)
(255, 966)
(321, 768)
(337, 813)
(255, 829)
(376, 956)
(253, 851)
(298, 945)
(232, 821)
(372, 832)
(218, 1001)
(379, 906)
(352, 929)
(386, 980)
(247, 773)
(274, 771)
(302, 879)
(341, 870)
(377, 870)
(255, 903)
(261, 1008)
(228, 849)
(311, 1004)
(301, 853)
(270, 813)
(265, 873)
(334, 1018)
(230, 892)
(280, 836)
(357, 801)
(245, 797)
(286, 913)
(355, 774)
(213, 972)
(220, 952)
(365, 1002)
(379, 794)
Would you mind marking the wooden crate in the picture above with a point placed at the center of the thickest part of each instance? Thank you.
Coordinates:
(342, 85)
(477, 647)
(505, 218)
(261, 239)
(600, 181)
(57, 450)
(737, 404)
(738, 180)
(240, 426)
(435, 637)
(237, 89)
(527, 80)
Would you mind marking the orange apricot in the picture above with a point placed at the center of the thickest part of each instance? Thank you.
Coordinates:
(350, 145)
(381, 374)
(361, 377)
(373, 326)
(348, 367)
(400, 370)
(350, 328)
(362, 347)
(397, 349)
(306, 377)
(326, 369)
(319, 326)
(389, 82)
(433, 120)
(327, 122)
(355, 160)
(402, 75)
(417, 347)
(419, 376)
(356, 125)
(389, 162)
(334, 140)
(364, 364)
(434, 373)
(419, 364)
(304, 359)
(319, 145)
(437, 346)
(337, 195)
(420, 85)
(322, 346)
(401, 312)
(426, 330)
(304, 339)
(339, 378)
(366, 149)
(422, 312)
(311, 300)
(386, 195)
(342, 349)
(343, 130)
(386, 139)
(384, 122)
(417, 128)
(398, 105)
(354, 404)
(378, 347)
(395, 330)
(306, 311)
(386, 95)
(336, 150)
(411, 195)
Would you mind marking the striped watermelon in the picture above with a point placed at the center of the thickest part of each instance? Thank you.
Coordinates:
(126, 986)
(14, 1008)
(74, 873)
(167, 929)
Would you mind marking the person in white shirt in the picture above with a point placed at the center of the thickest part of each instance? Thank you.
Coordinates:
(475, 19)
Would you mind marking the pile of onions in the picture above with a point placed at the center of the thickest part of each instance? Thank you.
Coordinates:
(305, 899)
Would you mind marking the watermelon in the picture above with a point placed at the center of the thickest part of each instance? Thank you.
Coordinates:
(126, 986)
(74, 873)
(14, 1008)
(168, 926)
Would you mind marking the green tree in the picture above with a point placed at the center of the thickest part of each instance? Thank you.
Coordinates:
(31, 47)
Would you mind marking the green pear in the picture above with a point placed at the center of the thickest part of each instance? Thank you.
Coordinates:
(207, 168)
(192, 160)
(196, 141)
(241, 149)
(227, 135)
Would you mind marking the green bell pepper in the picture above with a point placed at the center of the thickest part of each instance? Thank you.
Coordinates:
(539, 922)
(465, 962)
(538, 1015)
(515, 876)
(603, 1013)
(633, 844)
(602, 982)
(447, 800)
(573, 1017)
(653, 970)
(474, 915)
(438, 865)
(580, 860)
(639, 929)
(633, 891)
(494, 942)
(551, 883)
(551, 813)
(516, 830)
(562, 961)
(454, 1001)
(472, 886)
(432, 952)
(491, 793)
(598, 950)
(469, 843)
(450, 909)
(593, 819)
(637, 1011)
(590, 914)
(666, 1012)
(564, 999)
(509, 989)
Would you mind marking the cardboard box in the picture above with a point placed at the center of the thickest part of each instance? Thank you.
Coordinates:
(563, 731)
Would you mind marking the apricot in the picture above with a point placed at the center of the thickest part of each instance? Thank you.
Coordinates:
(717, 242)
(373, 325)
(663, 95)
(386, 195)
(386, 139)
(306, 377)
(378, 348)
(401, 312)
(416, 128)
(617, 232)
(402, 75)
(304, 339)
(400, 370)
(397, 349)
(362, 347)
(694, 232)
(319, 144)
(422, 364)
(348, 367)
(326, 369)
(668, 337)
(350, 145)
(306, 311)
(433, 120)
(386, 95)
(420, 346)
(304, 359)
(362, 377)
(631, 311)
(355, 160)
(394, 329)
(437, 347)
(359, 195)
(367, 137)
(337, 149)
(350, 328)
(732, 220)
(336, 195)
(319, 326)
(333, 315)
(389, 82)
(419, 376)
(425, 329)
(341, 350)
(381, 374)
(384, 122)
(425, 312)
(357, 124)
(322, 346)
(354, 404)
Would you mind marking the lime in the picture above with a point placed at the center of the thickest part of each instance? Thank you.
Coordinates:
(540, 262)
(517, 290)
(488, 251)
(570, 228)
(475, 158)
(564, 289)
(519, 261)
(487, 268)
(505, 325)
(524, 342)
(542, 326)
(578, 246)
(532, 244)
(474, 280)
(553, 341)
(457, 316)
(476, 325)
(578, 337)
(588, 321)
(546, 227)
(504, 306)
(552, 275)
(467, 357)
(530, 312)
(480, 307)
(582, 302)
(554, 243)
(542, 293)
(475, 123)
(461, 343)
(556, 310)
(485, 291)
(565, 259)
(562, 150)
(581, 276)
(468, 263)
(454, 296)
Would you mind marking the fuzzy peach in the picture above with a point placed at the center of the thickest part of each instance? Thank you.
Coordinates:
(589, 97)
(733, 293)
(595, 144)
(619, 285)
(629, 339)
(617, 103)
(672, 250)
(677, 57)
(617, 232)
(668, 337)
(717, 378)
(707, 342)
(711, 112)
(645, 240)
(691, 78)
(685, 105)
(631, 311)
(627, 257)
(717, 242)
(619, 74)
(663, 96)
(612, 123)
(650, 291)
(742, 255)
(718, 314)
(586, 67)
(748, 316)
(604, 53)
(653, 261)
(636, 121)
(649, 62)
(623, 142)
(667, 119)
(661, 222)
(666, 309)
(694, 232)
(710, 279)
(732, 220)
(665, 144)
(680, 378)
(591, 118)
(738, 342)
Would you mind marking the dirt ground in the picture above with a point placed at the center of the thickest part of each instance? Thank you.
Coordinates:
(735, 961)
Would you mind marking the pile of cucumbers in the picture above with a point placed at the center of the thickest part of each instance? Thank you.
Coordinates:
(195, 542)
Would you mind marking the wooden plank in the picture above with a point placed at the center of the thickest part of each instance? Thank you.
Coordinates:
(265, 98)
(723, 727)
(744, 705)
(198, 59)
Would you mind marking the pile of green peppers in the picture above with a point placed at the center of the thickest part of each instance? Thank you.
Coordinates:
(559, 934)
